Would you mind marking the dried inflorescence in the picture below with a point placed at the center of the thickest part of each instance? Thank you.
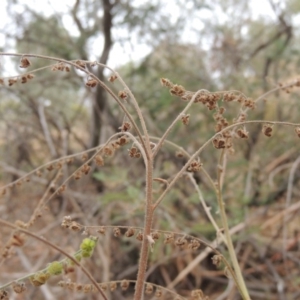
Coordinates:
(242, 133)
(217, 260)
(134, 152)
(19, 287)
(195, 166)
(169, 238)
(117, 231)
(130, 232)
(149, 289)
(123, 95)
(24, 63)
(92, 82)
(124, 284)
(185, 119)
(194, 244)
(126, 126)
(99, 160)
(112, 78)
(267, 130)
(60, 67)
(101, 230)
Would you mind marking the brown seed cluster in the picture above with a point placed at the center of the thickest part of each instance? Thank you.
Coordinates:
(126, 126)
(217, 260)
(134, 152)
(92, 82)
(195, 166)
(112, 78)
(24, 63)
(185, 119)
(267, 130)
(123, 95)
(19, 287)
(60, 67)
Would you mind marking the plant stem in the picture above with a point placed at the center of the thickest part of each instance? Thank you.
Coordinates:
(238, 273)
(139, 288)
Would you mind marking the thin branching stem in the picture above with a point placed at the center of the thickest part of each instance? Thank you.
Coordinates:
(84, 270)
(178, 175)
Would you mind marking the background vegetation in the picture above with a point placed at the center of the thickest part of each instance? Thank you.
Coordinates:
(213, 45)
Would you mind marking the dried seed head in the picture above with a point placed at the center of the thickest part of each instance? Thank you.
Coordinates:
(250, 103)
(23, 79)
(70, 160)
(87, 288)
(75, 226)
(134, 152)
(149, 289)
(117, 231)
(242, 133)
(166, 82)
(123, 140)
(195, 166)
(139, 236)
(113, 286)
(181, 242)
(185, 119)
(12, 81)
(297, 130)
(155, 235)
(85, 169)
(62, 189)
(1, 81)
(177, 90)
(50, 167)
(24, 63)
(217, 259)
(123, 95)
(99, 160)
(267, 130)
(101, 230)
(17, 240)
(126, 126)
(219, 143)
(30, 76)
(124, 285)
(108, 150)
(91, 82)
(80, 63)
(158, 293)
(169, 238)
(84, 156)
(179, 154)
(103, 286)
(66, 223)
(194, 245)
(77, 175)
(130, 232)
(18, 287)
(112, 78)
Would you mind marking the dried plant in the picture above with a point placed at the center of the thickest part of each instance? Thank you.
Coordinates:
(135, 138)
